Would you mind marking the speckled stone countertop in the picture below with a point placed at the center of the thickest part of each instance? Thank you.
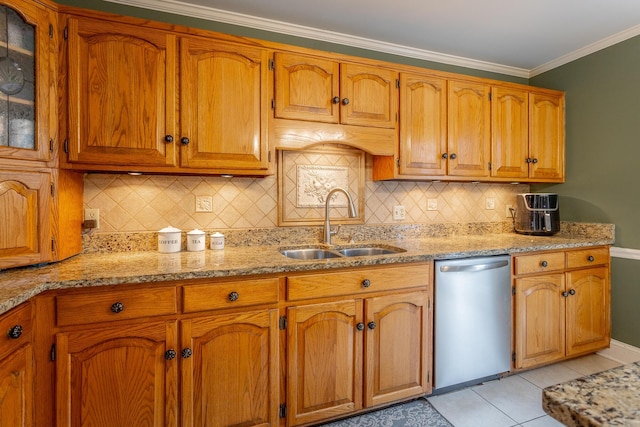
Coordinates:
(242, 257)
(609, 398)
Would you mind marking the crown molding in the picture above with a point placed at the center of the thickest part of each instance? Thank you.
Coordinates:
(212, 14)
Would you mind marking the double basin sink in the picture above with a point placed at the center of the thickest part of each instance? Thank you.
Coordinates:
(322, 253)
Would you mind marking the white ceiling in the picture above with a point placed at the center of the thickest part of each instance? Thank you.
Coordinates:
(515, 37)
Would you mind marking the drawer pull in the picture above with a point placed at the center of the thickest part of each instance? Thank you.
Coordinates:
(117, 307)
(186, 353)
(544, 264)
(372, 325)
(366, 283)
(590, 258)
(170, 354)
(15, 332)
(360, 326)
(233, 296)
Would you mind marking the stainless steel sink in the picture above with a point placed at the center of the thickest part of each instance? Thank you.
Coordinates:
(309, 253)
(321, 253)
(368, 251)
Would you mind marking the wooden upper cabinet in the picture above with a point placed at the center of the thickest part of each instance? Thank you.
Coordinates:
(24, 112)
(319, 89)
(423, 125)
(224, 105)
(305, 88)
(25, 204)
(469, 129)
(546, 136)
(121, 94)
(509, 132)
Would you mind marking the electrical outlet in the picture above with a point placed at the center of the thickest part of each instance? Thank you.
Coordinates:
(432, 204)
(490, 203)
(92, 214)
(507, 212)
(399, 212)
(204, 203)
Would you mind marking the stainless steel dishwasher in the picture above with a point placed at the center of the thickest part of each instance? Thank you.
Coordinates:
(472, 319)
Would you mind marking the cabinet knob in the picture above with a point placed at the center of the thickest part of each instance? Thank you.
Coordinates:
(572, 291)
(168, 139)
(345, 101)
(366, 283)
(335, 100)
(15, 332)
(186, 353)
(534, 160)
(590, 258)
(445, 156)
(528, 160)
(565, 294)
(453, 156)
(117, 307)
(372, 325)
(544, 264)
(184, 140)
(170, 354)
(233, 296)
(360, 326)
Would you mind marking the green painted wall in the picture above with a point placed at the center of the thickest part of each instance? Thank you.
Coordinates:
(603, 153)
(280, 38)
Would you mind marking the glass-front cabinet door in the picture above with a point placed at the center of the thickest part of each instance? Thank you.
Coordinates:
(24, 80)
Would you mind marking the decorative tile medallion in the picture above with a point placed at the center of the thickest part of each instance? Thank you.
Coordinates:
(315, 182)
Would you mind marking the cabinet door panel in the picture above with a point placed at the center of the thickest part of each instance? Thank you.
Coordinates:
(324, 361)
(539, 319)
(25, 234)
(16, 388)
(469, 128)
(372, 96)
(305, 87)
(423, 125)
(231, 379)
(397, 348)
(223, 105)
(588, 313)
(121, 94)
(546, 137)
(509, 133)
(117, 376)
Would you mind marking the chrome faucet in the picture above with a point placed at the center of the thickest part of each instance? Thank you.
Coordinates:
(327, 226)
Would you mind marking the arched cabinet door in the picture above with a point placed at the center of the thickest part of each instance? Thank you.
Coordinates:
(25, 77)
(25, 235)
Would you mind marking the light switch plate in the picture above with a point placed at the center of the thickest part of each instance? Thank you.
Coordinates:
(93, 214)
(399, 213)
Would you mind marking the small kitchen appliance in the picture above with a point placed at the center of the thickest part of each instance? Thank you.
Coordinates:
(537, 214)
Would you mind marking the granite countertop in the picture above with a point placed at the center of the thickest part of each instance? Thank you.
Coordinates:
(113, 268)
(609, 398)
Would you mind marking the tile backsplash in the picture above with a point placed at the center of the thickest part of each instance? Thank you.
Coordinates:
(151, 202)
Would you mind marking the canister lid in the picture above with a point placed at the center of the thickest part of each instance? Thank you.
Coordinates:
(195, 231)
(217, 234)
(169, 230)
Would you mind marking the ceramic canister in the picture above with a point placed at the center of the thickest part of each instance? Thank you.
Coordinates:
(217, 241)
(196, 240)
(169, 240)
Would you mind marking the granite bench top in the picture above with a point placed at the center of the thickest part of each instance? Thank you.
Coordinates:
(609, 398)
(112, 268)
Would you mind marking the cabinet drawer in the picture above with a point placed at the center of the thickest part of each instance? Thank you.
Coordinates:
(539, 263)
(212, 296)
(15, 328)
(357, 281)
(588, 257)
(91, 307)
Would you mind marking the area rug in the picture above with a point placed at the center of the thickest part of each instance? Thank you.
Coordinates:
(417, 413)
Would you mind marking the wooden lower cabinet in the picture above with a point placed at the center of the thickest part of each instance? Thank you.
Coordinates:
(123, 375)
(229, 375)
(16, 369)
(352, 354)
(561, 313)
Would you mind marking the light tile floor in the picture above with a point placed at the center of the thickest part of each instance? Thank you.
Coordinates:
(515, 400)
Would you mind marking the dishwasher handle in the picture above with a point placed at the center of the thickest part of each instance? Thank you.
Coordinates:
(473, 267)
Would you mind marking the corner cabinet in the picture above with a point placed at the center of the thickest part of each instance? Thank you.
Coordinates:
(562, 305)
(362, 339)
(131, 75)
